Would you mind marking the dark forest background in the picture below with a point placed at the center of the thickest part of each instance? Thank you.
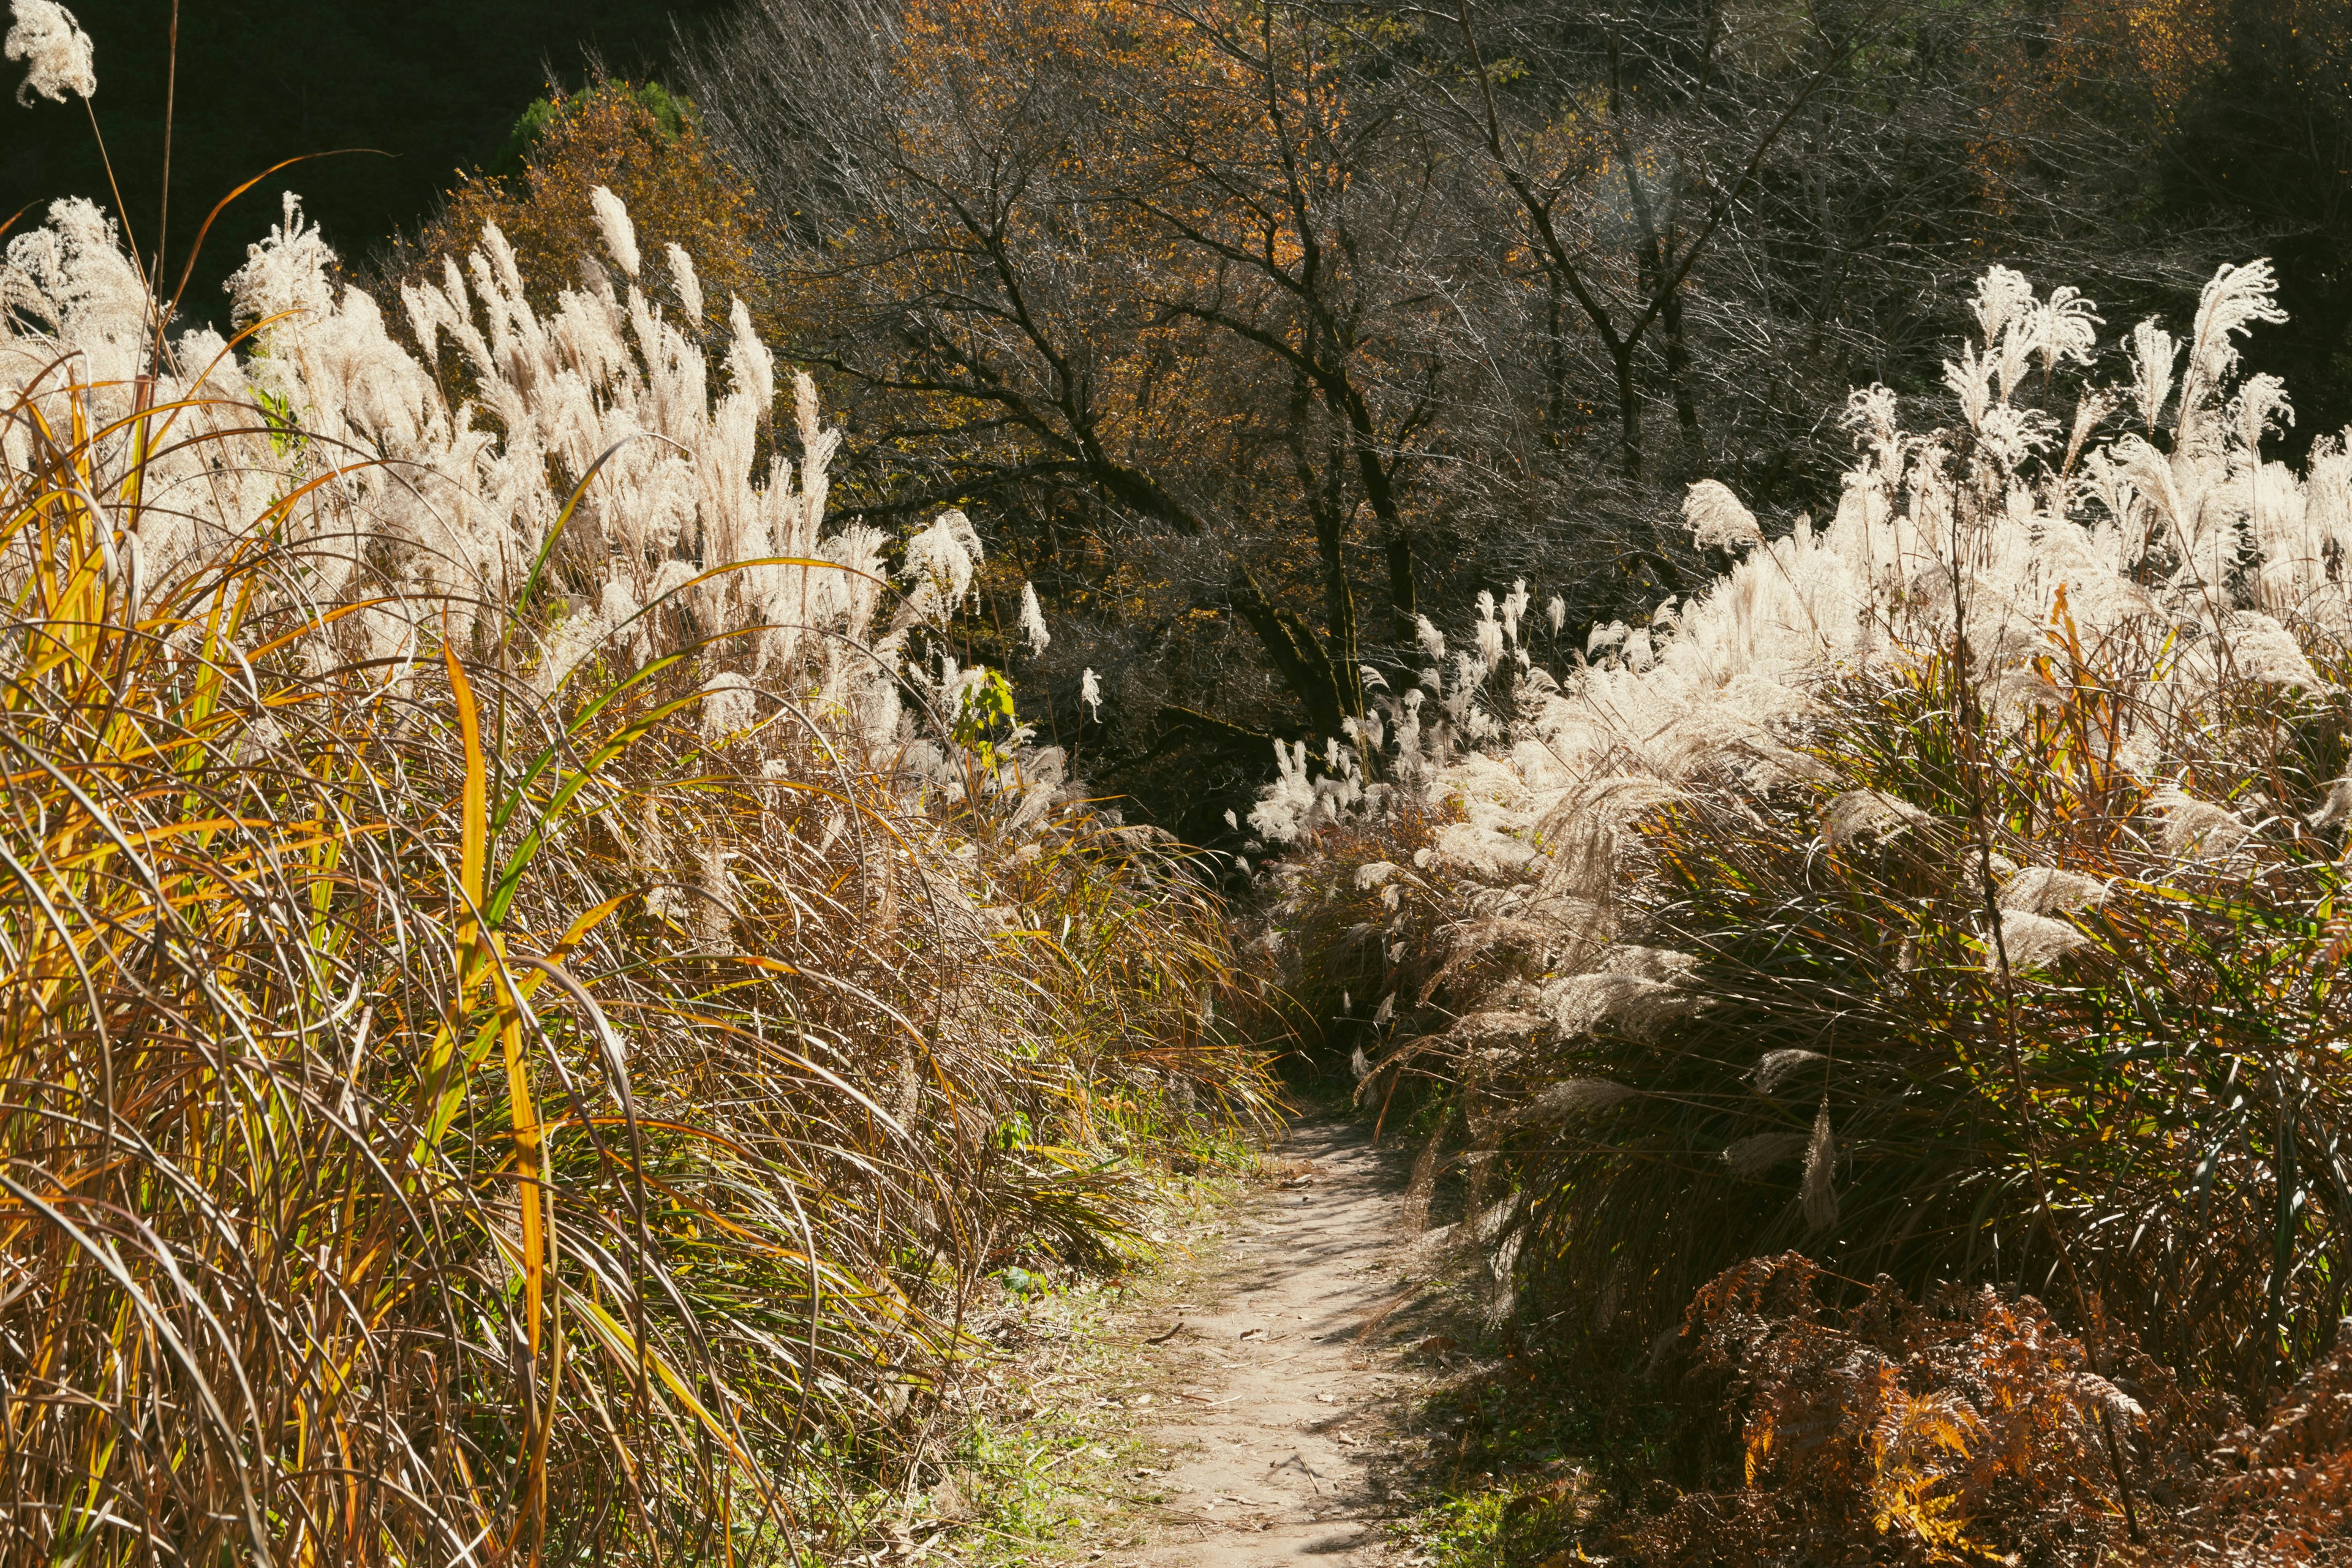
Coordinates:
(1253, 334)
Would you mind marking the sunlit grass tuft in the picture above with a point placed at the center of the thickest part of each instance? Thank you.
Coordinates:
(399, 1164)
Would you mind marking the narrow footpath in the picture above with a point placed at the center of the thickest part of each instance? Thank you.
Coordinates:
(1287, 1385)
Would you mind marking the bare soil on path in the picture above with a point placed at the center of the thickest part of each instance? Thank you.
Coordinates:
(1282, 1396)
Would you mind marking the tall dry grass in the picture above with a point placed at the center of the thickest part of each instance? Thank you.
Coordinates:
(1951, 898)
(454, 1114)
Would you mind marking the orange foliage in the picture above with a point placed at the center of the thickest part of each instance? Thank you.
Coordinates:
(2160, 54)
(676, 188)
(1111, 245)
(1972, 1431)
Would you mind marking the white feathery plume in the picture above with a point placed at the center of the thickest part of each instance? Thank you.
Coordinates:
(2260, 649)
(2194, 827)
(1555, 611)
(1091, 693)
(2003, 295)
(1751, 1157)
(2036, 941)
(2153, 355)
(2336, 807)
(940, 563)
(1969, 377)
(1717, 520)
(1860, 814)
(1777, 1066)
(2090, 408)
(1820, 1203)
(57, 53)
(2262, 410)
(1576, 1097)
(2066, 328)
(1870, 412)
(613, 223)
(2042, 890)
(1033, 620)
(2237, 300)
(1430, 637)
(728, 705)
(688, 286)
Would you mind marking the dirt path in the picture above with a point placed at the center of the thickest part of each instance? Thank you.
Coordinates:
(1284, 1385)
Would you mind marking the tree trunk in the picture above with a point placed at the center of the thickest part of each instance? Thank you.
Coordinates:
(1298, 655)
(1402, 594)
(1555, 360)
(1629, 412)
(1678, 377)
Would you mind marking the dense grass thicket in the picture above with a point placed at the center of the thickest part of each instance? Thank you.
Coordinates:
(1948, 897)
(537, 990)
(545, 971)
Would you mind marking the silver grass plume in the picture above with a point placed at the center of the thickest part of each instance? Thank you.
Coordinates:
(1821, 1168)
(1867, 813)
(2036, 941)
(2232, 305)
(1717, 520)
(613, 223)
(689, 286)
(56, 51)
(2094, 406)
(2003, 295)
(1777, 1068)
(2153, 355)
(2046, 890)
(1576, 1098)
(1033, 620)
(1753, 1157)
(728, 705)
(2262, 410)
(2260, 649)
(2336, 807)
(2195, 828)
(1490, 631)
